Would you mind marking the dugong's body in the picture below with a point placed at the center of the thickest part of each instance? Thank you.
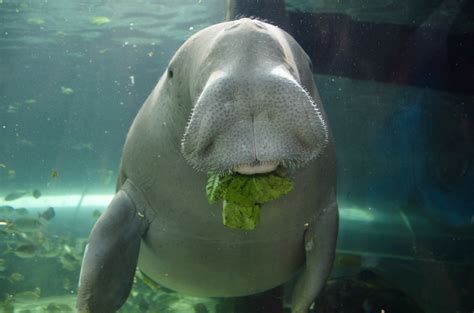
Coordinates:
(236, 96)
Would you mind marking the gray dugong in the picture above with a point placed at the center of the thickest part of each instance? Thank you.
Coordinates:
(237, 96)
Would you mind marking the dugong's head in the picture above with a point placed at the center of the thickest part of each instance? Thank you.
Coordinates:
(254, 104)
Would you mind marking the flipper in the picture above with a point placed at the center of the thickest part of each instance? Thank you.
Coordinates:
(111, 256)
(320, 246)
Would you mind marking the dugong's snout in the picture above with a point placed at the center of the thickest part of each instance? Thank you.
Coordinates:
(252, 124)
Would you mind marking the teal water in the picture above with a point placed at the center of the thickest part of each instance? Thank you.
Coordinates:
(73, 74)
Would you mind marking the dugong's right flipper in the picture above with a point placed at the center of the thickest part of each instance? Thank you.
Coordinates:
(111, 256)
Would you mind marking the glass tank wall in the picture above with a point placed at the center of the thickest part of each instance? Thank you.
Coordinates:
(396, 82)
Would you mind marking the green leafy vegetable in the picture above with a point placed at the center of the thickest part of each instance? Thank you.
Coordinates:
(244, 195)
(240, 216)
(99, 20)
(215, 187)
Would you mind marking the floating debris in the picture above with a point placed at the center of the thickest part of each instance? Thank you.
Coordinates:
(3, 265)
(36, 193)
(150, 54)
(83, 146)
(66, 90)
(35, 21)
(16, 277)
(14, 195)
(2, 165)
(30, 101)
(54, 174)
(11, 174)
(12, 109)
(99, 20)
(60, 34)
(102, 51)
(48, 214)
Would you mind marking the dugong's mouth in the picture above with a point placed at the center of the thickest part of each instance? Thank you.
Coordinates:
(260, 168)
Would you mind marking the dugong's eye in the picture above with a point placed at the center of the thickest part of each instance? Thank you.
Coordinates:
(170, 73)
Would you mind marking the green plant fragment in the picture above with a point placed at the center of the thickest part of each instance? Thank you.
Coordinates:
(245, 194)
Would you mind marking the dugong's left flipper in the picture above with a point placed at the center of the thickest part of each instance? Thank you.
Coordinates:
(320, 246)
(111, 256)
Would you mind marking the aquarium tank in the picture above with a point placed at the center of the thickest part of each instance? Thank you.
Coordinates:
(396, 79)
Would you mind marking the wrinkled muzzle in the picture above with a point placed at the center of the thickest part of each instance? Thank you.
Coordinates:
(247, 122)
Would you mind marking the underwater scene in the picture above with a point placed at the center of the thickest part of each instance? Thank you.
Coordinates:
(395, 80)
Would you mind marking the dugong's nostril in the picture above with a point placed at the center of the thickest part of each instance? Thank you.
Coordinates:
(302, 141)
(206, 151)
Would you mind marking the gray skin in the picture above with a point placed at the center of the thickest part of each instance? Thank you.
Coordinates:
(238, 92)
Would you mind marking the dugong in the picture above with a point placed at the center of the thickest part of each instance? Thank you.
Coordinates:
(237, 96)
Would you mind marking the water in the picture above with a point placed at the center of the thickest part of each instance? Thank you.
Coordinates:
(74, 74)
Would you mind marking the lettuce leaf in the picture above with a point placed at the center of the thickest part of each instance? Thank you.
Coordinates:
(235, 215)
(216, 185)
(244, 195)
